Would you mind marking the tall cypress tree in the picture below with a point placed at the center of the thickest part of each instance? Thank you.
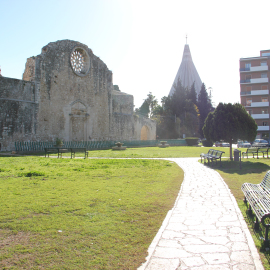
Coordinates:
(204, 106)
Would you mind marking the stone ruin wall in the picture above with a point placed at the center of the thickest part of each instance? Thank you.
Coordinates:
(69, 102)
(18, 112)
(54, 101)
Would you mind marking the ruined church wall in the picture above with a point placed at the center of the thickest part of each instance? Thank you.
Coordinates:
(18, 112)
(72, 107)
(139, 123)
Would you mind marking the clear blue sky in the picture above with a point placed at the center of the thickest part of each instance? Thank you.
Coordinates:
(142, 41)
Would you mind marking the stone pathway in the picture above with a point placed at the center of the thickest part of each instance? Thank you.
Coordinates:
(205, 229)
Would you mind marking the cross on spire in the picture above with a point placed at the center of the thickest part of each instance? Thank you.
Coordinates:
(186, 39)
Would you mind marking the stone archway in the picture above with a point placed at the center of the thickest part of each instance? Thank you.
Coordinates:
(78, 121)
(144, 133)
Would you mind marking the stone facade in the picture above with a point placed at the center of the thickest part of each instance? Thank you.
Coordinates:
(67, 92)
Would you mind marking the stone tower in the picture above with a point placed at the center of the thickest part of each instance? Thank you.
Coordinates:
(187, 73)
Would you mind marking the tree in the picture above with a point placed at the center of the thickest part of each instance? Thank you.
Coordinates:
(144, 109)
(191, 94)
(152, 101)
(229, 122)
(205, 107)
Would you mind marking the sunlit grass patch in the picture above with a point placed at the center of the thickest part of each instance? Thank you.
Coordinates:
(82, 214)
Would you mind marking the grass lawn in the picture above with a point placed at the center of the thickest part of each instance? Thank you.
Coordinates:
(82, 214)
(152, 152)
(99, 213)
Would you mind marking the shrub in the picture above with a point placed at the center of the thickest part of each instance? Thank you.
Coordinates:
(207, 143)
(192, 141)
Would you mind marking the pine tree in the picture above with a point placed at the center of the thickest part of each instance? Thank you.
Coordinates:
(204, 106)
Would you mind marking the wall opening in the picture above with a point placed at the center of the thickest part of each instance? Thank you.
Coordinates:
(145, 133)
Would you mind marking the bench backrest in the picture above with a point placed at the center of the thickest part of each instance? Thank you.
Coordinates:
(263, 149)
(252, 149)
(265, 184)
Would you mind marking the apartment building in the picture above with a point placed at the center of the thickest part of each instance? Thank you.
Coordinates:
(254, 90)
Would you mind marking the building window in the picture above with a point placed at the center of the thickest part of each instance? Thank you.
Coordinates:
(265, 124)
(263, 63)
(264, 87)
(265, 135)
(248, 65)
(264, 99)
(248, 101)
(264, 75)
(266, 54)
(249, 112)
(248, 77)
(264, 111)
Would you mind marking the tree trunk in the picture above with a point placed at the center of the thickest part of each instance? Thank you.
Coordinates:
(231, 157)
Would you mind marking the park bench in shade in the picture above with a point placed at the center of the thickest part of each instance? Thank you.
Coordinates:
(251, 150)
(255, 151)
(212, 155)
(258, 197)
(263, 150)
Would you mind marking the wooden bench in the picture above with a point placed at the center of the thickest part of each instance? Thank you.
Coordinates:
(212, 155)
(55, 150)
(78, 150)
(258, 197)
(251, 150)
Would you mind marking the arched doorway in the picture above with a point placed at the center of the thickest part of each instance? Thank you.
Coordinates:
(144, 133)
(78, 121)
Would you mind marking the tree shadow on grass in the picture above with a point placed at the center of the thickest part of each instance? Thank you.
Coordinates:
(246, 166)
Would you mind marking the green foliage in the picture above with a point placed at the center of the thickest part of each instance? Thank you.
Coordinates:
(207, 143)
(58, 142)
(149, 106)
(230, 122)
(204, 106)
(191, 141)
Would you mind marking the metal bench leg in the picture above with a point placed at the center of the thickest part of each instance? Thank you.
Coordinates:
(245, 200)
(266, 240)
(257, 224)
(250, 210)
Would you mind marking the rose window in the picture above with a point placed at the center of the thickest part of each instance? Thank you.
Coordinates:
(80, 61)
(77, 61)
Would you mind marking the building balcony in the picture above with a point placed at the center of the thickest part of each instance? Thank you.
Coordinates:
(263, 128)
(257, 80)
(255, 93)
(258, 104)
(253, 69)
(260, 116)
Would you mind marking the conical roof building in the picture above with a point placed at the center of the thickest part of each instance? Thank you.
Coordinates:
(187, 73)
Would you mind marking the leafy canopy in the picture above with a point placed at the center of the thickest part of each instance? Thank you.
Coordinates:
(229, 122)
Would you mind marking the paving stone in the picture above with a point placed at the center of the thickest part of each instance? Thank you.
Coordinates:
(194, 261)
(217, 258)
(171, 253)
(215, 240)
(169, 243)
(172, 235)
(242, 257)
(163, 264)
(206, 248)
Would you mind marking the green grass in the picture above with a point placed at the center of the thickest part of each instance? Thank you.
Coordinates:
(82, 199)
(151, 152)
(82, 214)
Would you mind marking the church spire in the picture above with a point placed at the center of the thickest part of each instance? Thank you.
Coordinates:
(187, 72)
